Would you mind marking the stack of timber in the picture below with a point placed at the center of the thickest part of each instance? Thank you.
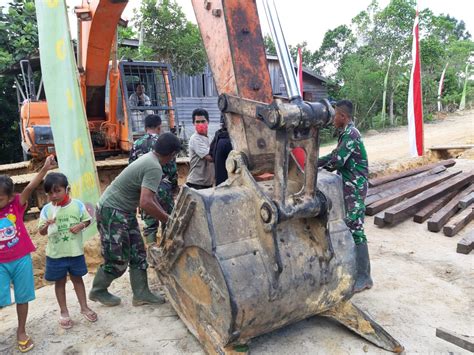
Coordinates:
(433, 193)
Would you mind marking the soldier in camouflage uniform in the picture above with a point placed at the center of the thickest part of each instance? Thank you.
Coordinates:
(121, 243)
(349, 159)
(169, 182)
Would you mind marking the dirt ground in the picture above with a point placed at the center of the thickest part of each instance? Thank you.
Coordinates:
(421, 283)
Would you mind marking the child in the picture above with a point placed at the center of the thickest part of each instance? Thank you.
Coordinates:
(63, 220)
(15, 248)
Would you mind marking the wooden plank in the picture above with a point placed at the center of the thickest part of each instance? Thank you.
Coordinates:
(466, 200)
(376, 190)
(379, 219)
(452, 146)
(466, 244)
(426, 212)
(421, 186)
(384, 179)
(439, 219)
(463, 341)
(409, 207)
(458, 222)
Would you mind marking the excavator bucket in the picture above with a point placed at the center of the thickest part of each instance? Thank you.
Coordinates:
(232, 273)
(269, 246)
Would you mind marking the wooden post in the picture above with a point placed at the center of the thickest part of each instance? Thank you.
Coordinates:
(458, 222)
(425, 213)
(439, 219)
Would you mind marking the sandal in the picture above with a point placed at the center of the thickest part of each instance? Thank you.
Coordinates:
(65, 322)
(90, 315)
(25, 345)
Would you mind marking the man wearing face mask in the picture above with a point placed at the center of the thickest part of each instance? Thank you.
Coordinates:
(201, 171)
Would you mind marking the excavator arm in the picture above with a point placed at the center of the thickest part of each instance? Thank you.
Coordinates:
(97, 32)
(259, 252)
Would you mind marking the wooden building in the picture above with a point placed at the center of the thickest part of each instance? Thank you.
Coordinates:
(200, 91)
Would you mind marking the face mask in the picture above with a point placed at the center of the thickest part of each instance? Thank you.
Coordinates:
(201, 128)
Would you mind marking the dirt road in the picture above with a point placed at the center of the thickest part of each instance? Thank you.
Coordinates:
(421, 283)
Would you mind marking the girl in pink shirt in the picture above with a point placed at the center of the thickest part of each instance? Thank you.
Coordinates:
(15, 248)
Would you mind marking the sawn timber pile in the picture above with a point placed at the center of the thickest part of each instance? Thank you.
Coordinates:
(438, 194)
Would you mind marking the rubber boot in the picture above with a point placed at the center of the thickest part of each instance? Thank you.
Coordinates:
(363, 281)
(141, 293)
(99, 293)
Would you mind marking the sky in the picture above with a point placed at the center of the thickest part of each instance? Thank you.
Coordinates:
(308, 20)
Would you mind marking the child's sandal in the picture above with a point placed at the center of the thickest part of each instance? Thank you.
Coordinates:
(65, 322)
(25, 345)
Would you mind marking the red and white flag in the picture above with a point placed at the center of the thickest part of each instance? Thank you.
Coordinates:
(299, 64)
(415, 102)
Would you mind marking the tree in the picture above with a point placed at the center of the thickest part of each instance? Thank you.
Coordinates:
(18, 40)
(337, 44)
(169, 36)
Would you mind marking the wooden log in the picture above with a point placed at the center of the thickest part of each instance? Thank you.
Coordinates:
(421, 186)
(466, 244)
(426, 212)
(409, 207)
(463, 341)
(466, 200)
(439, 219)
(458, 222)
(379, 219)
(376, 190)
(384, 179)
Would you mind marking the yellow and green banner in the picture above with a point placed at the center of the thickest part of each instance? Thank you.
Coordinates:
(66, 109)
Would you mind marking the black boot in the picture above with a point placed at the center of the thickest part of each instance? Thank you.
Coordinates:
(363, 281)
(99, 293)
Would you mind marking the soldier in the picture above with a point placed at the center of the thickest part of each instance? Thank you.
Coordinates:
(349, 159)
(121, 242)
(169, 182)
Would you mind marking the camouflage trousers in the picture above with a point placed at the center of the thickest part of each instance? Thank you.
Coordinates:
(121, 241)
(354, 201)
(164, 195)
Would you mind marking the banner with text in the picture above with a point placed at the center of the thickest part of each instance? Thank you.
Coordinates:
(66, 110)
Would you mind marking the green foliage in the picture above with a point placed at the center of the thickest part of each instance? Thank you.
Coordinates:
(169, 36)
(356, 58)
(269, 45)
(18, 40)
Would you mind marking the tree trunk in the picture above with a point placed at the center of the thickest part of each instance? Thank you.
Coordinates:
(391, 108)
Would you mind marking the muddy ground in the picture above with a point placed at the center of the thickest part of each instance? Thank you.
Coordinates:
(421, 283)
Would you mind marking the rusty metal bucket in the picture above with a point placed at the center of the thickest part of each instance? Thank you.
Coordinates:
(232, 272)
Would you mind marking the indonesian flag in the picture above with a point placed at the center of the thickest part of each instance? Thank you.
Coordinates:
(415, 103)
(298, 153)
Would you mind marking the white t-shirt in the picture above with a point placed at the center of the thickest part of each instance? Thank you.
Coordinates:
(201, 171)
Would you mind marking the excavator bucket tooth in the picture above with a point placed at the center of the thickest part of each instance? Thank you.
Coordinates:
(359, 322)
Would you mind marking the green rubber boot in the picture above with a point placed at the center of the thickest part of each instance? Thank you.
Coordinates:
(141, 293)
(99, 293)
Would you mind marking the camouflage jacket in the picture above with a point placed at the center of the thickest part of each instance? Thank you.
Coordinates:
(349, 158)
(144, 145)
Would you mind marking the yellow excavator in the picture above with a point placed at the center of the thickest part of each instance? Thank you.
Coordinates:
(107, 84)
